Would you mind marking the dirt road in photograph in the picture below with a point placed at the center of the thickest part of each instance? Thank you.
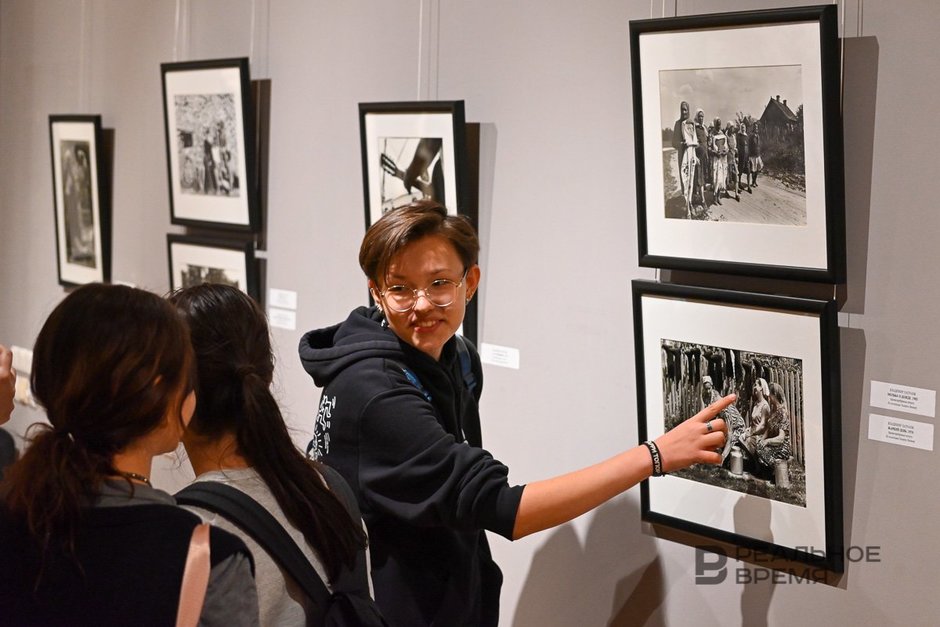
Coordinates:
(768, 203)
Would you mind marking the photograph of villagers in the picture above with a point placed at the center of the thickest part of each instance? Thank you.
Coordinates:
(764, 452)
(207, 144)
(733, 145)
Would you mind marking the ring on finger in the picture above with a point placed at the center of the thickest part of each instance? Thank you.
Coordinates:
(708, 426)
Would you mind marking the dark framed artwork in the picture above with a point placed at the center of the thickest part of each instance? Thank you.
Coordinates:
(197, 260)
(82, 201)
(779, 487)
(411, 151)
(210, 144)
(738, 136)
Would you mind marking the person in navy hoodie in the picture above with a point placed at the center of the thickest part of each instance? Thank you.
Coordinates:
(398, 418)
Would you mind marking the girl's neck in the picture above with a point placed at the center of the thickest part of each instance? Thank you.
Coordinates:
(213, 454)
(131, 462)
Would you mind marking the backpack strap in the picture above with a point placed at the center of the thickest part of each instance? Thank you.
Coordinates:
(466, 366)
(466, 370)
(415, 381)
(257, 522)
(357, 580)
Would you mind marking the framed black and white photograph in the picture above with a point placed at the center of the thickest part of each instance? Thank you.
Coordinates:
(197, 260)
(412, 151)
(210, 144)
(82, 201)
(738, 134)
(778, 488)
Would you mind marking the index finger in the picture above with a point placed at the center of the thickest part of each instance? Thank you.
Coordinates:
(712, 410)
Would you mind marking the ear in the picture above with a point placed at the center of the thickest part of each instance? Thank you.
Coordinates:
(374, 290)
(473, 280)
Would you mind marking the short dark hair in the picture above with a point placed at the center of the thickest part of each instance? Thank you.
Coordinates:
(402, 226)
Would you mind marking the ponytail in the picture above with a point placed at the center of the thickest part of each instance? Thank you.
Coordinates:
(103, 386)
(298, 487)
(235, 368)
(49, 485)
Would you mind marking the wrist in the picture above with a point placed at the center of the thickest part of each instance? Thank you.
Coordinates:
(656, 458)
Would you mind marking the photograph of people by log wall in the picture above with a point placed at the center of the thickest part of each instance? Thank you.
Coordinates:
(733, 146)
(764, 452)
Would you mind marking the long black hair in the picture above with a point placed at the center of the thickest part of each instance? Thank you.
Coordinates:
(235, 367)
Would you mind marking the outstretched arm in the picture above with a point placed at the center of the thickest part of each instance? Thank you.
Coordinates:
(552, 502)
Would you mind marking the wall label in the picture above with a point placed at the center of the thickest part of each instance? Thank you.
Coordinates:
(282, 318)
(503, 356)
(904, 398)
(285, 299)
(900, 431)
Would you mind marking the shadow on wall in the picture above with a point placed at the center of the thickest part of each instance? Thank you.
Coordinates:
(571, 584)
(853, 352)
(860, 88)
(755, 595)
(486, 178)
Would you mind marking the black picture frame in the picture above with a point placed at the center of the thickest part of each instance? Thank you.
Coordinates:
(211, 144)
(791, 225)
(792, 509)
(82, 202)
(431, 137)
(193, 260)
(432, 134)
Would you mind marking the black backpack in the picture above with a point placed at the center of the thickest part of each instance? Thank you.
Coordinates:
(347, 606)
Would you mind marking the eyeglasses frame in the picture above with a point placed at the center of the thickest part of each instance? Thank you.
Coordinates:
(423, 292)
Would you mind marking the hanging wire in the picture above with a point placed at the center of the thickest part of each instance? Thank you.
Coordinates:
(176, 31)
(181, 31)
(436, 48)
(251, 34)
(260, 37)
(83, 66)
(420, 44)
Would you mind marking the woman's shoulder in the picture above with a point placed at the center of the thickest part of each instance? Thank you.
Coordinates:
(164, 521)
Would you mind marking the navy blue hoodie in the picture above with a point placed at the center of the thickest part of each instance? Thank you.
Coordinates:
(426, 488)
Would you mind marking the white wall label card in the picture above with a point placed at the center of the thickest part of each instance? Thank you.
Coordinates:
(285, 299)
(499, 355)
(282, 318)
(900, 431)
(904, 398)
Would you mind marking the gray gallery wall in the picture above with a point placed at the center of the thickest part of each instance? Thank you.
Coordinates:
(549, 83)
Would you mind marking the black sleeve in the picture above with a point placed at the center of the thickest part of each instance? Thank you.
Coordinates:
(412, 469)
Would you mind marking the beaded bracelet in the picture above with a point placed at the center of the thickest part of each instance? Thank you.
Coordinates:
(657, 458)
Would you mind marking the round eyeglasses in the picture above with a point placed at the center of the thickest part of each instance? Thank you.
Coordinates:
(441, 292)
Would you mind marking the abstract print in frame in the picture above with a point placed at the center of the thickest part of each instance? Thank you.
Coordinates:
(210, 144)
(738, 135)
(778, 487)
(82, 201)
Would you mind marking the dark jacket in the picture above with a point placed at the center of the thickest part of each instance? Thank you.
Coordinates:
(131, 559)
(426, 488)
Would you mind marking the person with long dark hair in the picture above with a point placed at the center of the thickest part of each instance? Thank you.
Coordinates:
(238, 437)
(399, 419)
(84, 537)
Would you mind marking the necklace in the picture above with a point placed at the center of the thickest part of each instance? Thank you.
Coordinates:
(136, 477)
